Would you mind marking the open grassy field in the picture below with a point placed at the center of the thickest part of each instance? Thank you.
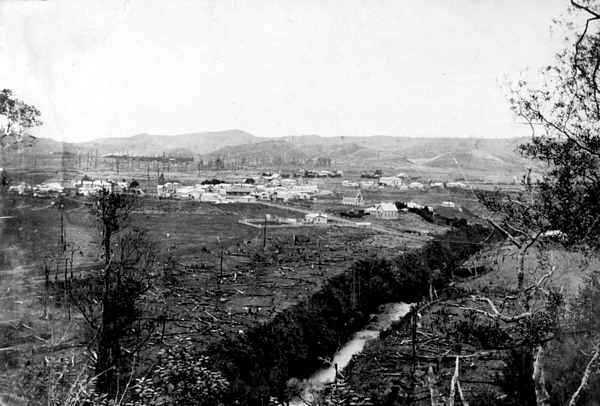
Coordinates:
(216, 276)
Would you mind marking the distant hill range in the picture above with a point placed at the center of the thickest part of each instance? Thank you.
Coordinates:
(244, 149)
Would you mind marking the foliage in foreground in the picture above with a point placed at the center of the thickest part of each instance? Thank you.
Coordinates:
(180, 378)
(19, 118)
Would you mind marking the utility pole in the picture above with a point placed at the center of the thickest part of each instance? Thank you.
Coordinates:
(221, 259)
(265, 238)
(319, 249)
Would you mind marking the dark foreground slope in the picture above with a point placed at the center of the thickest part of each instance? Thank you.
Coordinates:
(259, 363)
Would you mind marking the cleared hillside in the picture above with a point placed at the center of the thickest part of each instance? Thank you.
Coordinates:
(236, 148)
(266, 153)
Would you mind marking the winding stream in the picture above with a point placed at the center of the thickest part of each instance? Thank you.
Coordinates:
(392, 312)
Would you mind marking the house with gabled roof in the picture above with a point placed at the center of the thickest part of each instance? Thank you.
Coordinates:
(386, 211)
(316, 218)
(353, 198)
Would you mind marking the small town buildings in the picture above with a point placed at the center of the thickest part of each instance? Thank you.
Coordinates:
(287, 182)
(20, 189)
(459, 185)
(211, 197)
(368, 184)
(316, 218)
(122, 187)
(195, 194)
(349, 183)
(262, 196)
(53, 186)
(413, 205)
(448, 204)
(269, 191)
(416, 185)
(390, 181)
(185, 192)
(302, 196)
(283, 195)
(246, 199)
(312, 189)
(386, 211)
(87, 187)
(325, 192)
(169, 189)
(353, 198)
(241, 188)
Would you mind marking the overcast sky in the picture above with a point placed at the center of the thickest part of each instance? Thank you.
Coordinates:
(273, 68)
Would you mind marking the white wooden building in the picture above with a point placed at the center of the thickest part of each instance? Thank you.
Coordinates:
(353, 198)
(316, 218)
(386, 211)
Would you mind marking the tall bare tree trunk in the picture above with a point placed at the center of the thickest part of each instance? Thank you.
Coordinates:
(539, 380)
(434, 393)
(46, 314)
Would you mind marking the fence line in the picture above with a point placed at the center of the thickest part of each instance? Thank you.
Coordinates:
(260, 223)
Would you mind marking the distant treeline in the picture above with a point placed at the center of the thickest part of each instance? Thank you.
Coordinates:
(163, 159)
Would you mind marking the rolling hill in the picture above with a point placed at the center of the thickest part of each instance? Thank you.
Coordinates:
(479, 155)
(472, 160)
(146, 144)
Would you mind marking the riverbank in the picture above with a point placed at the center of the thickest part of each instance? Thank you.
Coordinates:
(389, 314)
(260, 362)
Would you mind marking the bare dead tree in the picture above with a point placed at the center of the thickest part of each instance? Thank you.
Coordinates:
(112, 300)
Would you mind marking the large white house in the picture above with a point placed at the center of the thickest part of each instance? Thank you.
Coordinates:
(386, 211)
(316, 218)
(353, 198)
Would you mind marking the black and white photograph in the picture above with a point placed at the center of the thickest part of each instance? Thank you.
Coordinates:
(299, 203)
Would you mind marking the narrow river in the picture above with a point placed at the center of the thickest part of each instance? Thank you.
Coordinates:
(391, 312)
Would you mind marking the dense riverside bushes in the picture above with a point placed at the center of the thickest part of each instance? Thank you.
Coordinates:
(259, 363)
